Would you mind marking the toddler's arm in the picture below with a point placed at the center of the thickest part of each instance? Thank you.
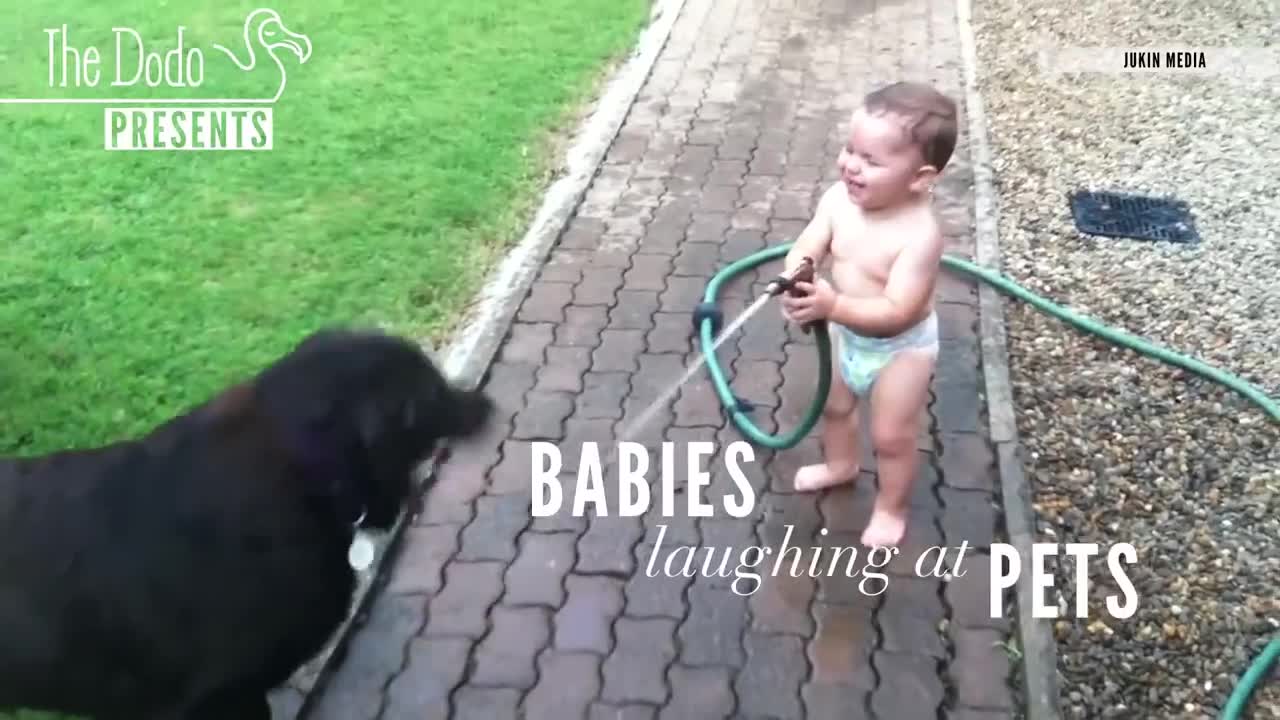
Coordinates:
(908, 290)
(815, 240)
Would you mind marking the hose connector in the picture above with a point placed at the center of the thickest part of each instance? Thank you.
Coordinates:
(786, 282)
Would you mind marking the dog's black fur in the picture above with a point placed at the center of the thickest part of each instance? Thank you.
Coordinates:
(184, 574)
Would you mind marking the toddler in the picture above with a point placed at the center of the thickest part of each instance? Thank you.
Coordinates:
(878, 226)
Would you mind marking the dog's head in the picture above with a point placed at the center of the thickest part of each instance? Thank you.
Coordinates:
(368, 407)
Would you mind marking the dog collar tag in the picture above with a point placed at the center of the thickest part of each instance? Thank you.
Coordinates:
(360, 554)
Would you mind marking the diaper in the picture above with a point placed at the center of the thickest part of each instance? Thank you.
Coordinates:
(862, 358)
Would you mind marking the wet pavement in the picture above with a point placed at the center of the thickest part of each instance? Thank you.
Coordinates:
(493, 613)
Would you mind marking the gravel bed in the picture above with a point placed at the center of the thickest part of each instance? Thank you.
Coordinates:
(1123, 448)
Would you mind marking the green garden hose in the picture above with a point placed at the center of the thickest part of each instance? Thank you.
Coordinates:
(1240, 697)
(1270, 406)
(737, 411)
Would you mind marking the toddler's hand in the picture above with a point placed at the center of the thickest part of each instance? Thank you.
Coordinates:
(818, 301)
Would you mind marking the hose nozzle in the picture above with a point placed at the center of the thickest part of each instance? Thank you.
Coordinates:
(786, 282)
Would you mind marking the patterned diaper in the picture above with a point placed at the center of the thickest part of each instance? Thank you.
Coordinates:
(862, 358)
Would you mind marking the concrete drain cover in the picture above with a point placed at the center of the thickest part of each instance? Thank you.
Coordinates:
(1138, 217)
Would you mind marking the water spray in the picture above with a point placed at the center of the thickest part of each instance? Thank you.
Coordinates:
(786, 282)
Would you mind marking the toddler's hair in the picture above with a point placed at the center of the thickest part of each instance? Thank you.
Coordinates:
(930, 116)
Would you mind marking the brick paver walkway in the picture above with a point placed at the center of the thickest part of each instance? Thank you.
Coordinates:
(492, 614)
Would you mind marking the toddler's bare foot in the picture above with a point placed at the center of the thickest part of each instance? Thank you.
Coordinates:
(811, 478)
(886, 529)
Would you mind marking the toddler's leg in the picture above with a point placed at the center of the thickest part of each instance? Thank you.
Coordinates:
(840, 441)
(898, 403)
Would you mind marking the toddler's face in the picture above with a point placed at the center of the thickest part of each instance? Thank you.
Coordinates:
(878, 164)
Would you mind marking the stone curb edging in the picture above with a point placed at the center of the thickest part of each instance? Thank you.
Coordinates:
(1035, 636)
(469, 355)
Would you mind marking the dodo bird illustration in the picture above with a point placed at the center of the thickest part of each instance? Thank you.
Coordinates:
(266, 28)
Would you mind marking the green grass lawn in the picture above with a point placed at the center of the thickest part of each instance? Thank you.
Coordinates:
(409, 152)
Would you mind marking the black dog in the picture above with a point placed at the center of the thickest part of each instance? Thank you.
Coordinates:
(184, 574)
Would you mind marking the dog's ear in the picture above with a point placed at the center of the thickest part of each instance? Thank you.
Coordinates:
(389, 450)
(371, 424)
(409, 414)
(373, 419)
(328, 444)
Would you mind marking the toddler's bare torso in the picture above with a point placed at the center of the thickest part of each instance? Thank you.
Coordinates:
(864, 246)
